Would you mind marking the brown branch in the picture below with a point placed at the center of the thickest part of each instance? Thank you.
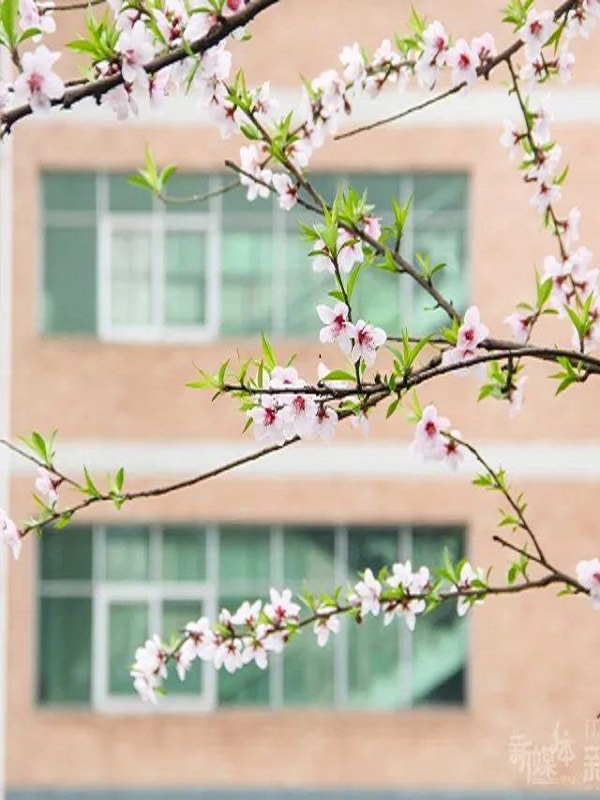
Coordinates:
(98, 88)
(483, 71)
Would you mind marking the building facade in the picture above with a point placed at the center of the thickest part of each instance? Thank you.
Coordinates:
(115, 299)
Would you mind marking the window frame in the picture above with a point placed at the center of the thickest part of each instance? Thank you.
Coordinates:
(210, 220)
(154, 592)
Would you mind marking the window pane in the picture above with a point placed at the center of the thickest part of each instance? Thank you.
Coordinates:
(246, 280)
(309, 556)
(371, 547)
(184, 553)
(245, 558)
(380, 191)
(124, 196)
(248, 686)
(69, 291)
(185, 278)
(446, 246)
(377, 299)
(175, 616)
(439, 657)
(65, 643)
(131, 277)
(127, 553)
(304, 288)
(308, 672)
(430, 541)
(185, 186)
(127, 630)
(440, 192)
(69, 191)
(374, 675)
(66, 554)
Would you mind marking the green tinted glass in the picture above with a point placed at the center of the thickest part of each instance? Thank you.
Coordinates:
(127, 553)
(248, 686)
(439, 657)
(66, 554)
(309, 555)
(308, 672)
(430, 541)
(371, 547)
(69, 191)
(69, 279)
(184, 553)
(175, 616)
(245, 557)
(304, 288)
(185, 278)
(377, 298)
(127, 630)
(125, 197)
(374, 673)
(131, 276)
(186, 189)
(65, 644)
(246, 281)
(440, 192)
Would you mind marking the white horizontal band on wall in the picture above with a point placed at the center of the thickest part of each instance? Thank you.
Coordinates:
(549, 461)
(487, 106)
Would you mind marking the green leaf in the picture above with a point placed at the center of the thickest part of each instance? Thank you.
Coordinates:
(269, 356)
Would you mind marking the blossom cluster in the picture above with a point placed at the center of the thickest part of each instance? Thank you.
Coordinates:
(256, 630)
(436, 440)
(285, 410)
(574, 279)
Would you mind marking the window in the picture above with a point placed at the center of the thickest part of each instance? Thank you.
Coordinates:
(119, 584)
(124, 267)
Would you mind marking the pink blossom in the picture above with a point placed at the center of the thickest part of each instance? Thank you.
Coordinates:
(470, 335)
(571, 227)
(325, 424)
(547, 194)
(516, 397)
(536, 32)
(47, 484)
(428, 441)
(367, 593)
(255, 650)
(250, 164)
(287, 191)
(336, 327)
(465, 582)
(588, 575)
(464, 63)
(510, 138)
(268, 421)
(281, 609)
(322, 258)
(247, 614)
(372, 227)
(367, 340)
(520, 325)
(484, 46)
(353, 62)
(326, 624)
(228, 654)
(349, 251)
(37, 84)
(200, 640)
(453, 453)
(10, 534)
(32, 16)
(136, 50)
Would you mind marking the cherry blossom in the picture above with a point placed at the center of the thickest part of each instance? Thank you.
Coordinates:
(588, 575)
(228, 654)
(149, 669)
(516, 396)
(136, 50)
(325, 424)
(10, 534)
(361, 422)
(326, 624)
(463, 61)
(367, 593)
(349, 251)
(200, 640)
(281, 609)
(286, 189)
(413, 584)
(520, 325)
(255, 650)
(433, 57)
(250, 163)
(367, 340)
(372, 227)
(353, 62)
(247, 614)
(31, 16)
(470, 335)
(511, 138)
(453, 453)
(466, 578)
(47, 485)
(428, 441)
(536, 32)
(269, 421)
(37, 84)
(570, 227)
(336, 326)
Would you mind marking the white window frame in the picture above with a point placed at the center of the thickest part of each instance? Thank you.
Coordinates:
(154, 592)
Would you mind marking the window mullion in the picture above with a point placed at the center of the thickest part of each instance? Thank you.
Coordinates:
(214, 256)
(406, 284)
(159, 272)
(341, 642)
(276, 699)
(405, 537)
